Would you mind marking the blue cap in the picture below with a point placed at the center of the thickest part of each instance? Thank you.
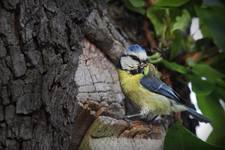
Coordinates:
(136, 50)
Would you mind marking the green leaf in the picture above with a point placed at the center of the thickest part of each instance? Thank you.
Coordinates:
(177, 45)
(182, 21)
(179, 138)
(140, 10)
(155, 58)
(180, 43)
(199, 86)
(137, 3)
(170, 3)
(210, 3)
(221, 83)
(214, 20)
(211, 107)
(156, 16)
(175, 67)
(206, 33)
(204, 70)
(220, 91)
(209, 92)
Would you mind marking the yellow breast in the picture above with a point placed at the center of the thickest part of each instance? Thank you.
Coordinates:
(143, 98)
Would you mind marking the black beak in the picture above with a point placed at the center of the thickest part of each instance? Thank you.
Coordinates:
(143, 64)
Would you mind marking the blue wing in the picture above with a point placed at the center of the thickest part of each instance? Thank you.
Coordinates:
(154, 84)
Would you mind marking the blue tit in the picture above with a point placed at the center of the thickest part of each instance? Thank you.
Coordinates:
(145, 90)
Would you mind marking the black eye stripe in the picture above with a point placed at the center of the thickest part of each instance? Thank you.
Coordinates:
(135, 58)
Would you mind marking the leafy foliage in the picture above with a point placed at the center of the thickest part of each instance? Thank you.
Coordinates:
(156, 15)
(131, 5)
(215, 112)
(175, 67)
(214, 23)
(169, 3)
(202, 60)
(137, 3)
(182, 21)
(180, 138)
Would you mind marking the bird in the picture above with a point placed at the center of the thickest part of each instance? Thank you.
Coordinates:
(140, 83)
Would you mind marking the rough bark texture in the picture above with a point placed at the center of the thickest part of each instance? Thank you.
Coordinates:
(40, 47)
(51, 58)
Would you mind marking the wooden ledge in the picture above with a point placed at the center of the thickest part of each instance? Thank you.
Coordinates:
(93, 131)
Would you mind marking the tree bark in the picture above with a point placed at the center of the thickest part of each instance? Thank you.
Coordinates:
(40, 46)
(55, 55)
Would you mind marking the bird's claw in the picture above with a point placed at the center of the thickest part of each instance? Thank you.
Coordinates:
(129, 122)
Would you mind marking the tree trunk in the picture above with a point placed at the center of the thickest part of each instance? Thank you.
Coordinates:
(40, 46)
(55, 55)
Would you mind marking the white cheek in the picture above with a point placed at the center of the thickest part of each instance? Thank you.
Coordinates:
(143, 56)
(135, 64)
(128, 63)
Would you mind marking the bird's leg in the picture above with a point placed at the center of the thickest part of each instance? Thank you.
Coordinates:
(134, 115)
(129, 122)
(158, 120)
(128, 117)
(154, 118)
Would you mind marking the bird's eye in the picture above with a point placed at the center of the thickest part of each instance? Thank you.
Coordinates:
(135, 58)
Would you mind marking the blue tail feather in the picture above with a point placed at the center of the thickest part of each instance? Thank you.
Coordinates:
(198, 116)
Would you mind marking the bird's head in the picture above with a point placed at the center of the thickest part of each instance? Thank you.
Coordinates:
(134, 58)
